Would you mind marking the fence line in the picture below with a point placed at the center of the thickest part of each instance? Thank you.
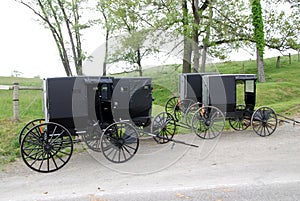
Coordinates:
(15, 87)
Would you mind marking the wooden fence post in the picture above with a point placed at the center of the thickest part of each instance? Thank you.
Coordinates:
(16, 101)
(278, 62)
(290, 58)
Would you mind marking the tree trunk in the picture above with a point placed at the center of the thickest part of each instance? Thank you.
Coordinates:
(260, 67)
(196, 52)
(187, 45)
(187, 56)
(206, 40)
(139, 62)
(106, 53)
(195, 7)
(203, 61)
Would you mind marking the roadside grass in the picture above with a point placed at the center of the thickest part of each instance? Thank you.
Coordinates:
(30, 107)
(281, 92)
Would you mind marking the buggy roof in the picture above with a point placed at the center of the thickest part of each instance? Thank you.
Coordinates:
(237, 76)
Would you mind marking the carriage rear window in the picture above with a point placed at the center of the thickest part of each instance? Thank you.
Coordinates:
(104, 91)
(249, 86)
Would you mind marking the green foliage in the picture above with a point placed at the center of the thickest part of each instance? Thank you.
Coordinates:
(281, 29)
(257, 22)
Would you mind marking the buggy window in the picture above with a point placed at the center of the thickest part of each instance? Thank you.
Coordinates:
(104, 91)
(249, 86)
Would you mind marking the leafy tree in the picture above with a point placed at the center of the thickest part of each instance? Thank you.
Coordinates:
(63, 19)
(107, 21)
(259, 38)
(281, 27)
(131, 25)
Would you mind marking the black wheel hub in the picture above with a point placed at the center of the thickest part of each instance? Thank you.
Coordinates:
(264, 122)
(207, 123)
(48, 148)
(120, 142)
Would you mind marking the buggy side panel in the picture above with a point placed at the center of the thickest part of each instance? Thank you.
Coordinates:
(220, 91)
(59, 100)
(132, 100)
(71, 101)
(190, 86)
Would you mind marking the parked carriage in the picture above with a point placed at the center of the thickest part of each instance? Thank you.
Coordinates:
(107, 113)
(206, 100)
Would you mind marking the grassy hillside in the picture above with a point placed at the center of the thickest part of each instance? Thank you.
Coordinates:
(281, 92)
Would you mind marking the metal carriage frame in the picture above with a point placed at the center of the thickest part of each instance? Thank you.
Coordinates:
(84, 109)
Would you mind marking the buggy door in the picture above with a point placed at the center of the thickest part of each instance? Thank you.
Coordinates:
(103, 103)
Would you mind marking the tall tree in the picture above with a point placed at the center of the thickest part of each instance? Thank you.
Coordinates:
(187, 43)
(62, 18)
(196, 27)
(103, 7)
(131, 23)
(257, 21)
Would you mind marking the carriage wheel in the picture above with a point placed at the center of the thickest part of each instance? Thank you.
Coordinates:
(172, 105)
(28, 126)
(190, 112)
(181, 108)
(164, 127)
(208, 122)
(47, 147)
(119, 142)
(264, 121)
(240, 123)
(92, 137)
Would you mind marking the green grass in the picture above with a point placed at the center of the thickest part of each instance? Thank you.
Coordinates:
(30, 107)
(281, 92)
(282, 89)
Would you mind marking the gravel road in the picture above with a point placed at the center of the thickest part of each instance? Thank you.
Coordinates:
(235, 166)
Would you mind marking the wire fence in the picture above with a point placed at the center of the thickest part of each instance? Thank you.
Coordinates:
(16, 89)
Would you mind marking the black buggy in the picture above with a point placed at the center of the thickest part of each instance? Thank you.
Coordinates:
(206, 100)
(107, 113)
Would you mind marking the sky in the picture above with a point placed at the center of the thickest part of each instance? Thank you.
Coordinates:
(27, 47)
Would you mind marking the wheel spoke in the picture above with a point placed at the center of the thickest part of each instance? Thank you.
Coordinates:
(36, 151)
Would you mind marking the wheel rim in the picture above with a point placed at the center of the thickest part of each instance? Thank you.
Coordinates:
(47, 147)
(171, 105)
(181, 108)
(208, 122)
(264, 121)
(239, 123)
(242, 122)
(28, 126)
(164, 127)
(92, 138)
(119, 142)
(190, 112)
